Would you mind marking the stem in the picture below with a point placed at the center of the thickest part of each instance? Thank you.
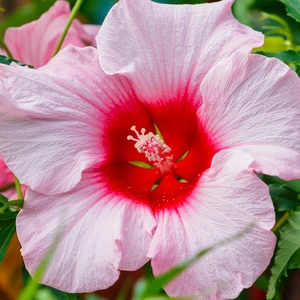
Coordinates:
(18, 188)
(280, 221)
(18, 203)
(68, 24)
(4, 46)
(6, 187)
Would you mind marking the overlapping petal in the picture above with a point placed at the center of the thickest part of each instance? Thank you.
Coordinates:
(251, 103)
(166, 50)
(54, 120)
(34, 43)
(228, 199)
(98, 232)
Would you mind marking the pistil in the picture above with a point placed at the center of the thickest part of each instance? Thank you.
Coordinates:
(154, 148)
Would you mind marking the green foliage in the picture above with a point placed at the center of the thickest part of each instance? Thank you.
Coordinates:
(288, 56)
(5, 237)
(284, 198)
(294, 184)
(275, 25)
(94, 297)
(8, 214)
(241, 10)
(28, 12)
(7, 61)
(287, 255)
(293, 8)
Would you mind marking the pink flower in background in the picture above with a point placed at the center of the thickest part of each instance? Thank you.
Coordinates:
(6, 180)
(80, 135)
(34, 43)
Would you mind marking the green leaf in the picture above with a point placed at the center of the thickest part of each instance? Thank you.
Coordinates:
(288, 56)
(7, 61)
(71, 296)
(293, 8)
(8, 216)
(5, 238)
(294, 184)
(94, 297)
(44, 294)
(3, 199)
(273, 44)
(295, 260)
(12, 203)
(288, 245)
(284, 198)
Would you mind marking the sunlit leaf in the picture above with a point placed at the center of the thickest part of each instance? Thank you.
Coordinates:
(273, 44)
(288, 246)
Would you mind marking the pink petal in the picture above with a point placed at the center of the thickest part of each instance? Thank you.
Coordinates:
(57, 124)
(166, 50)
(252, 103)
(6, 176)
(100, 232)
(34, 43)
(228, 199)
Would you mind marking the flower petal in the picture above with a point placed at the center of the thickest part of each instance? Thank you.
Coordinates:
(98, 232)
(228, 199)
(55, 120)
(252, 103)
(34, 43)
(167, 49)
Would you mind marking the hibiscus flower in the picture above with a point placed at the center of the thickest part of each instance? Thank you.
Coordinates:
(148, 148)
(34, 43)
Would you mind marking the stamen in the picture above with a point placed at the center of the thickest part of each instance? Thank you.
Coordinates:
(152, 146)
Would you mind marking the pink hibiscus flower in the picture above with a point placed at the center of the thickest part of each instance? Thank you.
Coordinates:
(83, 138)
(34, 43)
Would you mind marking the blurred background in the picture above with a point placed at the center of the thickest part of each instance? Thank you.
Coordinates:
(282, 32)
(18, 12)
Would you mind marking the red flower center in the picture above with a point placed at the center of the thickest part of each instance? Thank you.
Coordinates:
(168, 157)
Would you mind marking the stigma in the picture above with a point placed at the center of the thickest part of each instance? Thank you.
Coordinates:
(154, 148)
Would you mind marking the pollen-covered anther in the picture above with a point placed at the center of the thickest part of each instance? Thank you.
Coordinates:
(152, 146)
